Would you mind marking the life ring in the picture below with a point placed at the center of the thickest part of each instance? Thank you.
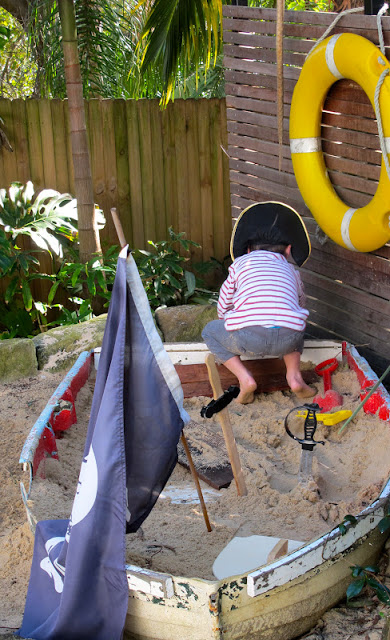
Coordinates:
(345, 55)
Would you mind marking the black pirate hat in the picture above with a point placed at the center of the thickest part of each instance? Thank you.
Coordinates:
(270, 219)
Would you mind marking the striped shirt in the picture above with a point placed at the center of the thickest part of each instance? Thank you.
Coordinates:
(262, 288)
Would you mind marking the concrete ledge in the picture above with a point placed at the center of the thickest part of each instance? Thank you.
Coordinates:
(17, 359)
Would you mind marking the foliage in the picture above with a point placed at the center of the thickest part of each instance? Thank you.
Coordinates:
(49, 222)
(349, 521)
(82, 283)
(180, 35)
(368, 577)
(17, 71)
(106, 43)
(295, 5)
(165, 280)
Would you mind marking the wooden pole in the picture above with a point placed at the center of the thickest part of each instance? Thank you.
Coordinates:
(224, 420)
(118, 228)
(123, 243)
(196, 480)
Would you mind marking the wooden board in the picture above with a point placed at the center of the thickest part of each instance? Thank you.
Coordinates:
(270, 375)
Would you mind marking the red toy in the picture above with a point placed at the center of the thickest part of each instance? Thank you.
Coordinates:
(331, 398)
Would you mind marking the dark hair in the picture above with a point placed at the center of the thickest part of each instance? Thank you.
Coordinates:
(267, 240)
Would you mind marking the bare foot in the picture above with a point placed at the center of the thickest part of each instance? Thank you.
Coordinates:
(247, 395)
(305, 392)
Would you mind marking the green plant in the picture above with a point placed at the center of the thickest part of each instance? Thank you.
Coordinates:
(49, 222)
(82, 283)
(368, 577)
(165, 280)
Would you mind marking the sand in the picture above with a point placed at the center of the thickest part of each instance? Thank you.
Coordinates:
(347, 474)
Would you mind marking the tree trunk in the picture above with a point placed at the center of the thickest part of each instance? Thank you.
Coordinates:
(88, 231)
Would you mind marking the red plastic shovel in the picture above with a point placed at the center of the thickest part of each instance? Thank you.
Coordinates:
(331, 398)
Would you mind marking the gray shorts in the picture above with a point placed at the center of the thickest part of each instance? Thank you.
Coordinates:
(251, 341)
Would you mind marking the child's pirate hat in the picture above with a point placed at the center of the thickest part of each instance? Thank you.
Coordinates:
(267, 218)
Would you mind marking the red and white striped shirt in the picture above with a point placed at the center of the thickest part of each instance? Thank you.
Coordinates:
(262, 288)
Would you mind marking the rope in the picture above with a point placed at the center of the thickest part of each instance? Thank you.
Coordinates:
(382, 77)
(332, 24)
(379, 26)
(379, 120)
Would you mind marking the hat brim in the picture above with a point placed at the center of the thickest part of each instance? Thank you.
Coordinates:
(264, 215)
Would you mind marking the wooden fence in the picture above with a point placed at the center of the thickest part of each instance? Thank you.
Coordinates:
(159, 168)
(348, 292)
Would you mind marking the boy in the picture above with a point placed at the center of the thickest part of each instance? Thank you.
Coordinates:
(261, 311)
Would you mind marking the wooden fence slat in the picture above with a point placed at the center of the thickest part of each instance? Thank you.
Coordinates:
(182, 173)
(96, 147)
(123, 202)
(110, 166)
(194, 196)
(8, 165)
(170, 168)
(146, 160)
(205, 178)
(157, 153)
(46, 132)
(61, 160)
(21, 140)
(135, 177)
(218, 162)
(360, 301)
(35, 144)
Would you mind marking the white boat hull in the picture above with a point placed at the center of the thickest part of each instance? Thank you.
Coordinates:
(278, 601)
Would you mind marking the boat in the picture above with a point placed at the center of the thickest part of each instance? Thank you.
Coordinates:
(284, 596)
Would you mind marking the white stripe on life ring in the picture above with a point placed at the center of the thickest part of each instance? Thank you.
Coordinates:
(387, 144)
(345, 228)
(329, 56)
(305, 145)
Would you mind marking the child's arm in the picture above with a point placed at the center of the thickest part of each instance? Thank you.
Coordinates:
(225, 300)
(301, 291)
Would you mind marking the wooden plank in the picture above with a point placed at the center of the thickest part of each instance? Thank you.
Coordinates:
(35, 144)
(264, 159)
(110, 167)
(47, 138)
(237, 143)
(61, 160)
(205, 179)
(252, 131)
(276, 182)
(351, 152)
(194, 197)
(157, 153)
(8, 164)
(146, 160)
(123, 202)
(260, 68)
(265, 53)
(368, 321)
(376, 283)
(345, 327)
(21, 140)
(371, 308)
(223, 150)
(95, 130)
(267, 172)
(68, 145)
(180, 123)
(135, 178)
(170, 167)
(221, 242)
